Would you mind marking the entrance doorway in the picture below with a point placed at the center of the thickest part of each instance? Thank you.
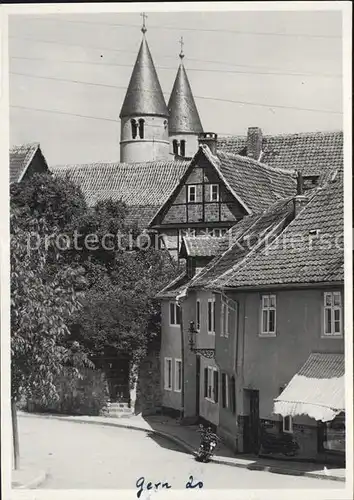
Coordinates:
(118, 379)
(251, 427)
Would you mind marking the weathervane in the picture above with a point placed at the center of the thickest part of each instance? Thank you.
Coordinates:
(181, 55)
(143, 29)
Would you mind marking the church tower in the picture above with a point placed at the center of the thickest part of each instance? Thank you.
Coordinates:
(184, 124)
(144, 114)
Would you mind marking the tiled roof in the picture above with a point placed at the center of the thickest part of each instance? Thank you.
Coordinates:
(175, 287)
(201, 246)
(144, 94)
(317, 390)
(312, 152)
(144, 187)
(309, 250)
(243, 238)
(256, 185)
(184, 116)
(20, 157)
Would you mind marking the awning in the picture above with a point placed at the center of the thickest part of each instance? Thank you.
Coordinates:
(317, 390)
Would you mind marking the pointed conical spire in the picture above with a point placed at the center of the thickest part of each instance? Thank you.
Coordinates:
(144, 95)
(184, 116)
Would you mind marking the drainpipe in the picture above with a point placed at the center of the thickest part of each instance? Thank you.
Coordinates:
(183, 361)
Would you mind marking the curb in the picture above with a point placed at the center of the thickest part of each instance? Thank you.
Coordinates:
(190, 449)
(33, 483)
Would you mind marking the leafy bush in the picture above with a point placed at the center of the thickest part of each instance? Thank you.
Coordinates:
(85, 396)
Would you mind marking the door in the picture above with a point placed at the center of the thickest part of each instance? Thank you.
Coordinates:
(197, 386)
(118, 380)
(251, 430)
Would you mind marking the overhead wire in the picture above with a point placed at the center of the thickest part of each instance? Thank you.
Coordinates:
(195, 96)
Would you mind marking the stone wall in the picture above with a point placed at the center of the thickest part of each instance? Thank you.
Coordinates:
(148, 389)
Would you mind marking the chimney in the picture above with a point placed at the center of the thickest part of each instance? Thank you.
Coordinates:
(254, 142)
(209, 139)
(300, 200)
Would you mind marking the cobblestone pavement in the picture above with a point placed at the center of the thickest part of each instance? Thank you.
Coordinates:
(88, 456)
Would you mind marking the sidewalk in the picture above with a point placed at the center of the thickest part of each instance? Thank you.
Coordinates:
(188, 438)
(27, 478)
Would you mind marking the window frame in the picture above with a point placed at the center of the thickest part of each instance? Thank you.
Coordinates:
(217, 193)
(189, 187)
(212, 316)
(176, 315)
(178, 362)
(290, 429)
(210, 386)
(168, 362)
(267, 309)
(197, 315)
(225, 390)
(333, 307)
(226, 317)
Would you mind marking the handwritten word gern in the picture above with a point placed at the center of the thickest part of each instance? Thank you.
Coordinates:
(142, 485)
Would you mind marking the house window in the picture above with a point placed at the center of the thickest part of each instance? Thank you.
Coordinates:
(175, 314)
(190, 267)
(141, 128)
(228, 310)
(211, 316)
(214, 192)
(225, 390)
(288, 424)
(211, 384)
(183, 148)
(178, 375)
(268, 320)
(168, 374)
(175, 147)
(134, 128)
(233, 395)
(332, 314)
(197, 315)
(192, 194)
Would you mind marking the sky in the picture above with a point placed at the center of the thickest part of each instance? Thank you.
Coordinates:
(246, 69)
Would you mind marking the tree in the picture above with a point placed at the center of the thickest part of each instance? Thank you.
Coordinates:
(41, 304)
(120, 314)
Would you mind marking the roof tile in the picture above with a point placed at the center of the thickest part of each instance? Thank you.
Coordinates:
(19, 159)
(311, 152)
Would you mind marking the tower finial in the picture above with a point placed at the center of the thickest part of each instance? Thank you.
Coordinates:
(181, 54)
(143, 29)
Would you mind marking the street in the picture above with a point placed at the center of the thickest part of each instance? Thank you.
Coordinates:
(87, 456)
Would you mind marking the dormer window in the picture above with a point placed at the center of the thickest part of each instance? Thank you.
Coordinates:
(141, 128)
(214, 192)
(183, 148)
(192, 191)
(134, 126)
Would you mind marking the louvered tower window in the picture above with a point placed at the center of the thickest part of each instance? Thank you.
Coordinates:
(141, 128)
(175, 147)
(134, 128)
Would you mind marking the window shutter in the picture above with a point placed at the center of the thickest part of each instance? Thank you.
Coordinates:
(223, 389)
(233, 394)
(216, 386)
(205, 382)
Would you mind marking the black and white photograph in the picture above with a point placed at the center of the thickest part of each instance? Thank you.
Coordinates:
(176, 250)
